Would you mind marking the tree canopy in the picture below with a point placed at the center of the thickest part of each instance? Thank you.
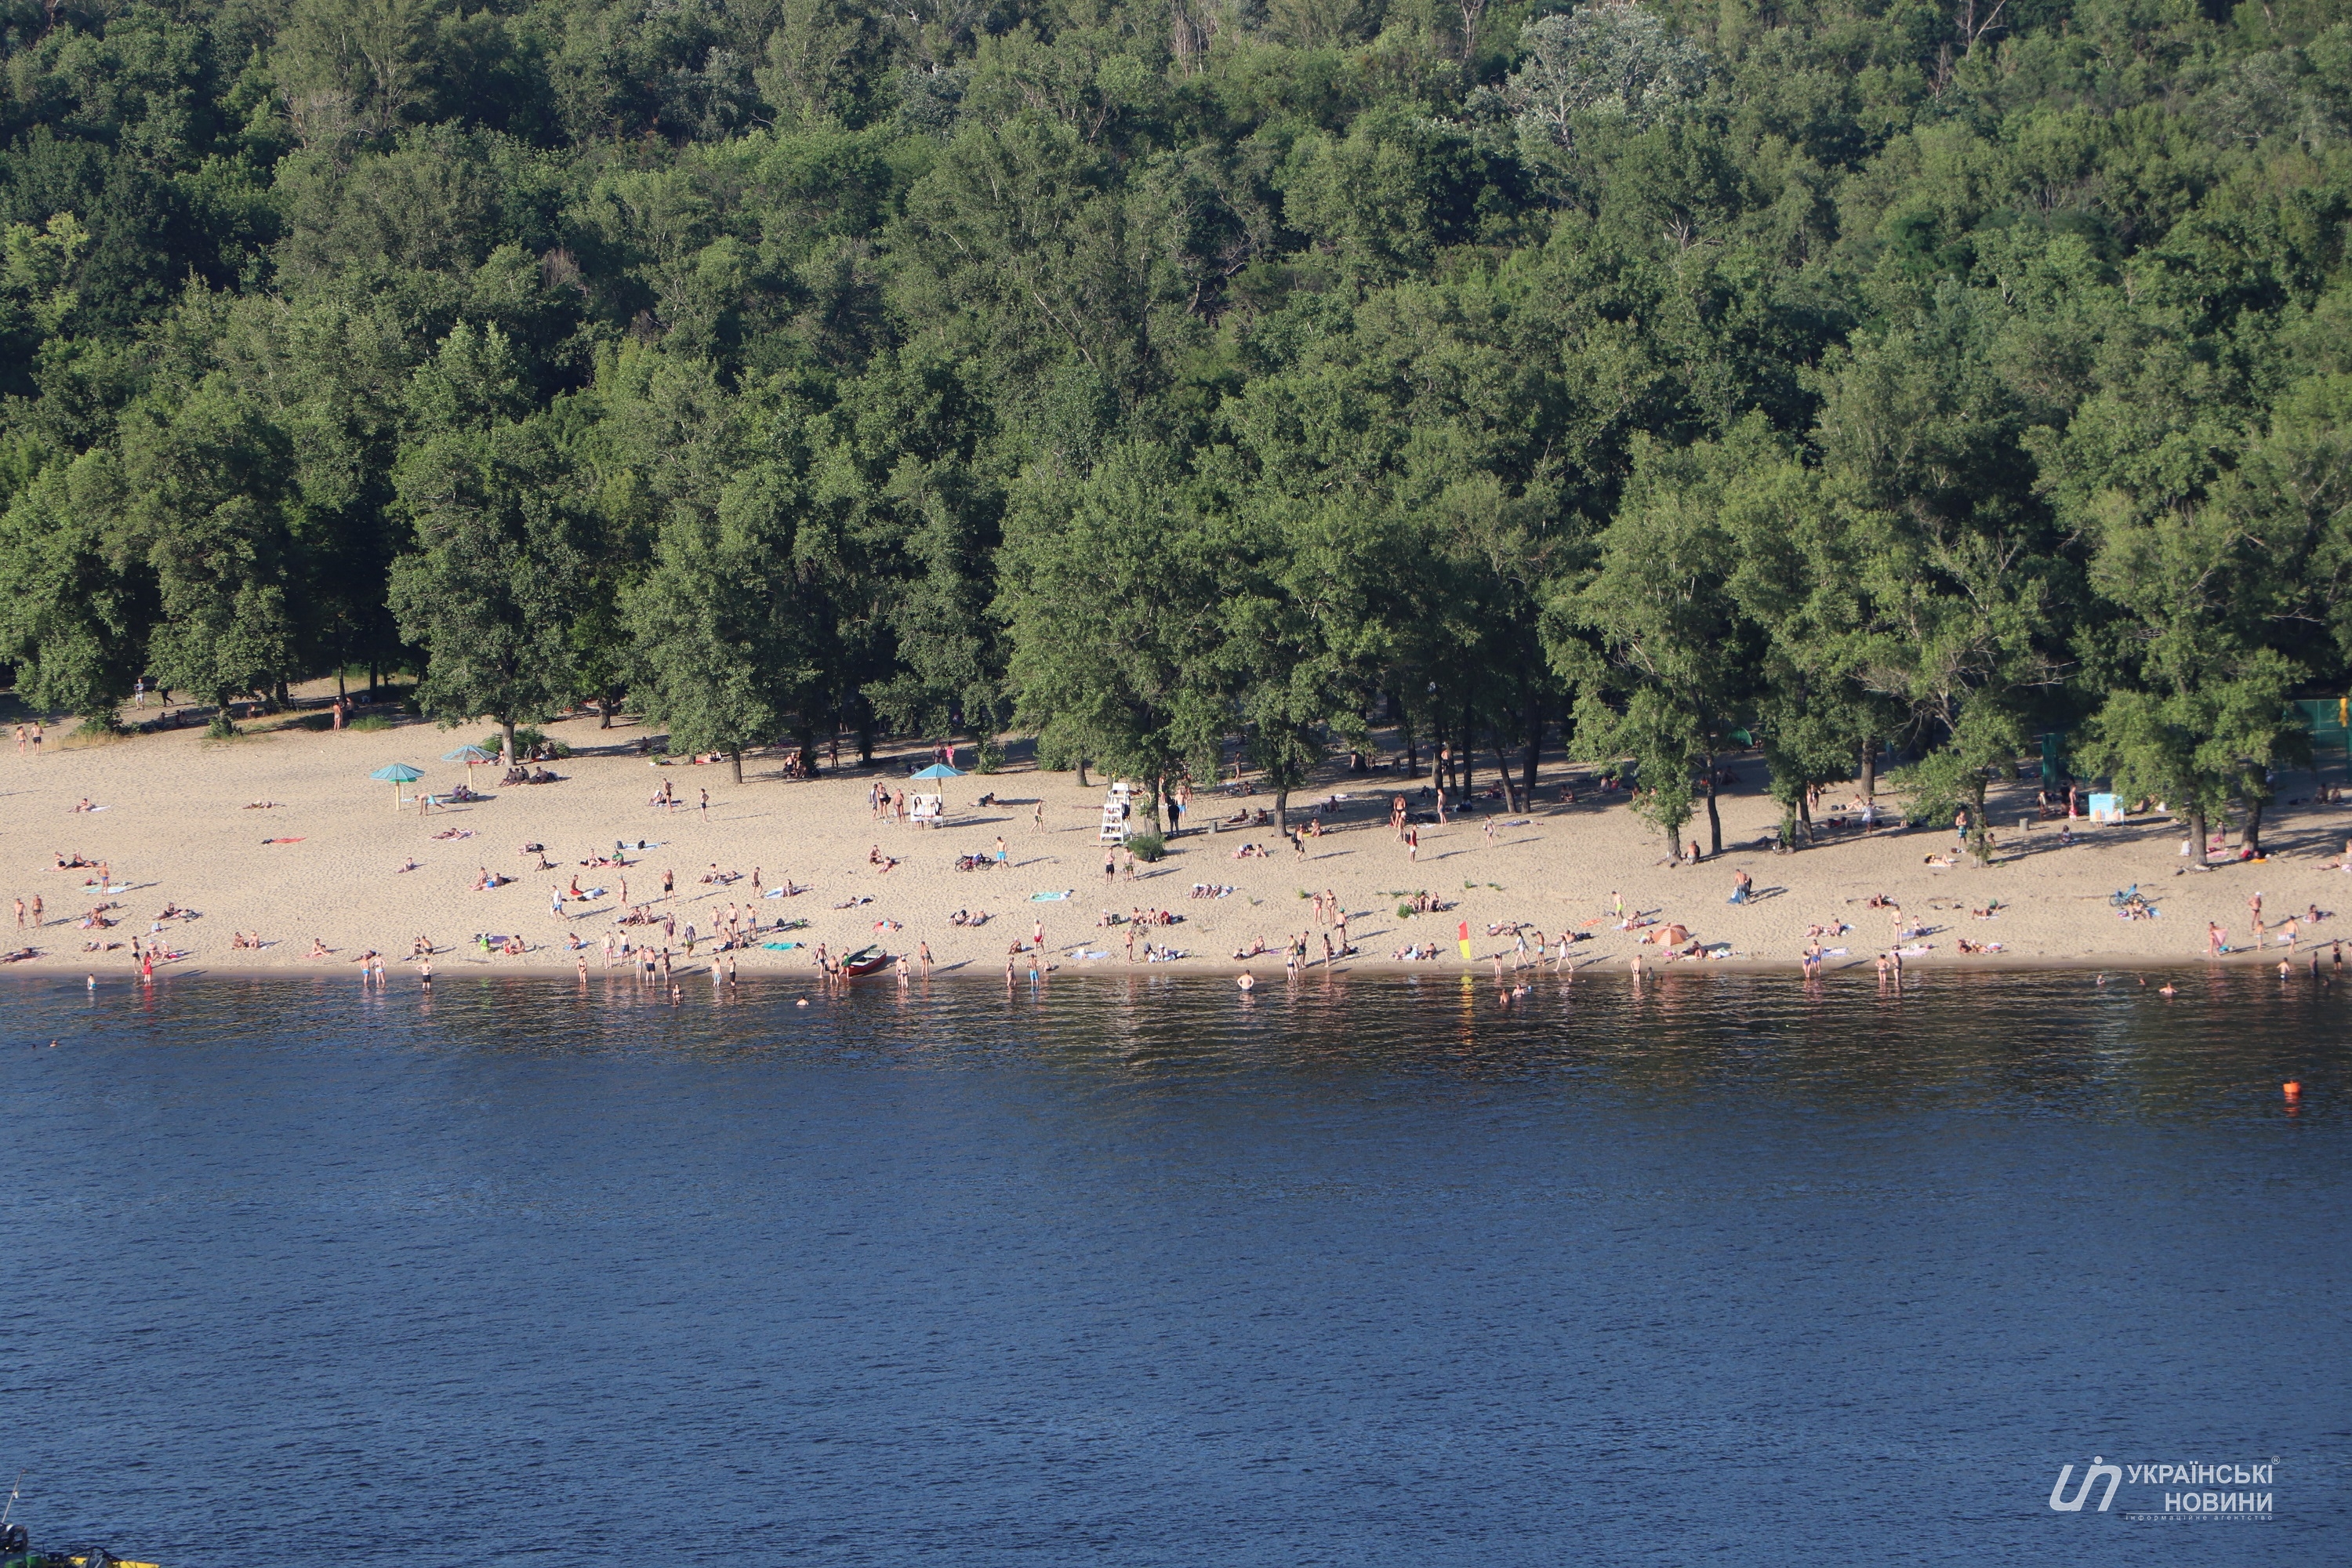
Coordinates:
(1201, 379)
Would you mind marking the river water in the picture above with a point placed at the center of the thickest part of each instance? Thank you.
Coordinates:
(1148, 1272)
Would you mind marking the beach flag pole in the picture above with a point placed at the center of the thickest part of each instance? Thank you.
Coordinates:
(1463, 935)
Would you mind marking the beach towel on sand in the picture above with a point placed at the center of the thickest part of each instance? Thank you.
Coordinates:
(281, 841)
(781, 946)
(1051, 897)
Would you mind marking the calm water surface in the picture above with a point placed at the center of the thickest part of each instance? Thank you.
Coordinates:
(1150, 1273)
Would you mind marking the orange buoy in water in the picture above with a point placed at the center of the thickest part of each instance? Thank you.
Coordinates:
(2293, 1091)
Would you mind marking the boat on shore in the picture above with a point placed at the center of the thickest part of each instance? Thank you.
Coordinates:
(865, 961)
(16, 1552)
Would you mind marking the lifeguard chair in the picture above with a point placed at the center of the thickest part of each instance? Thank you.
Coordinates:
(1118, 809)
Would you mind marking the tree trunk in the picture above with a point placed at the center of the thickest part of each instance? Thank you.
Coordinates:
(1805, 811)
(736, 757)
(341, 690)
(1282, 808)
(866, 737)
(1980, 831)
(507, 728)
(1535, 745)
(1714, 817)
(807, 737)
(1082, 773)
(1869, 768)
(1503, 770)
(2250, 839)
(2196, 835)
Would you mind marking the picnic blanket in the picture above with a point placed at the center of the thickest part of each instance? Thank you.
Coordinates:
(781, 946)
(1051, 897)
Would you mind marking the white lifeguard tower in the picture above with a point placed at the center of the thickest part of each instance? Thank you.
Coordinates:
(1118, 811)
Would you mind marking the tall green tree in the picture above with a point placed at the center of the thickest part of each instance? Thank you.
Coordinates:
(1673, 671)
(490, 589)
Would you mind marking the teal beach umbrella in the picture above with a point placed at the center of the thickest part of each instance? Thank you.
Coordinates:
(396, 775)
(472, 756)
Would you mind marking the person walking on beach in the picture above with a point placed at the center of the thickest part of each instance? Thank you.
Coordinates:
(1412, 846)
(1037, 935)
(1110, 867)
(705, 807)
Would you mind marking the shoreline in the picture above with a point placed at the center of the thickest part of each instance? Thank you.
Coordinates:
(402, 976)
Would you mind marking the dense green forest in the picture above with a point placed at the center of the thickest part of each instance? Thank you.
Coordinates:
(1169, 376)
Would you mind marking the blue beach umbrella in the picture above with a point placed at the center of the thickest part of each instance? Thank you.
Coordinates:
(940, 771)
(396, 775)
(472, 756)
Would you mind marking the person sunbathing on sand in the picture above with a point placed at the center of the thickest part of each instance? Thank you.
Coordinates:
(319, 948)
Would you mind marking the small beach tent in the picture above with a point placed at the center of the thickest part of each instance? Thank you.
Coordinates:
(472, 756)
(396, 775)
(940, 771)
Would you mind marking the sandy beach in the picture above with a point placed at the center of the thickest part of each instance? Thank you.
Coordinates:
(181, 822)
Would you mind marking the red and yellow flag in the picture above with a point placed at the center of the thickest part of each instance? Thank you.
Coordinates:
(1465, 933)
